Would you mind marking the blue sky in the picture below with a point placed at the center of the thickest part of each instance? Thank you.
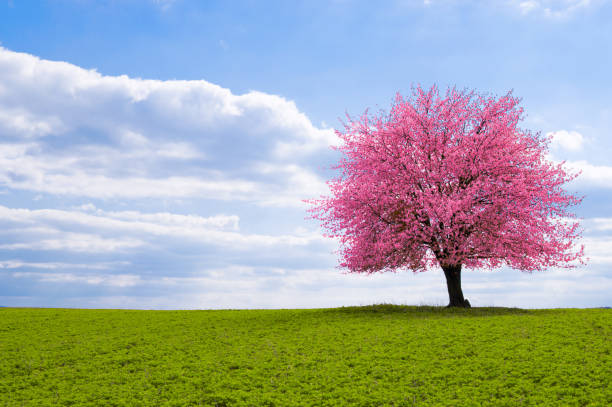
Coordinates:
(154, 154)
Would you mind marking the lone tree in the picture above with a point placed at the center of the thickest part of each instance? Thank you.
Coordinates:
(448, 181)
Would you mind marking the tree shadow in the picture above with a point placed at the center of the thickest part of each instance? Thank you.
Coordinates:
(429, 310)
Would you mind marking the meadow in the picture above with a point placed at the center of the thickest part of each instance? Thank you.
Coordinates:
(380, 355)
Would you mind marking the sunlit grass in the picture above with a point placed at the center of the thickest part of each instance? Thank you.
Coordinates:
(379, 355)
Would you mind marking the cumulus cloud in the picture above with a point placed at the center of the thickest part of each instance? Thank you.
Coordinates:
(21, 123)
(567, 140)
(71, 131)
(592, 176)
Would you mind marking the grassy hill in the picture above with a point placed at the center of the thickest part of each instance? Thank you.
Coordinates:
(381, 355)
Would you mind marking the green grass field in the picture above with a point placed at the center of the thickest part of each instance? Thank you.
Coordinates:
(381, 355)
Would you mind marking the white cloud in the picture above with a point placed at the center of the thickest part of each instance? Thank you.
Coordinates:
(16, 264)
(302, 184)
(567, 140)
(124, 138)
(128, 220)
(598, 250)
(228, 222)
(24, 167)
(553, 9)
(570, 7)
(76, 242)
(590, 175)
(599, 224)
(599, 176)
(52, 229)
(100, 186)
(528, 6)
(114, 280)
(20, 123)
(139, 146)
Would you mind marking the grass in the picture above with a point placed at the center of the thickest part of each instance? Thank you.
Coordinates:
(381, 355)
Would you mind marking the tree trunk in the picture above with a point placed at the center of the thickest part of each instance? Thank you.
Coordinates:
(453, 283)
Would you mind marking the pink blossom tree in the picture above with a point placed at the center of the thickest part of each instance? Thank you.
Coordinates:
(449, 181)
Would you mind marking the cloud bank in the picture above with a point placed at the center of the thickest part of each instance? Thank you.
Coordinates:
(70, 131)
(111, 181)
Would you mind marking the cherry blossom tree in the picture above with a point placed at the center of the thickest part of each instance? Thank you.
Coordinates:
(449, 181)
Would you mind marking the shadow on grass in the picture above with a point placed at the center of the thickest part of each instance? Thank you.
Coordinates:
(429, 310)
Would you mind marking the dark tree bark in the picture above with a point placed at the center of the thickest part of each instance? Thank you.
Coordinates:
(453, 283)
